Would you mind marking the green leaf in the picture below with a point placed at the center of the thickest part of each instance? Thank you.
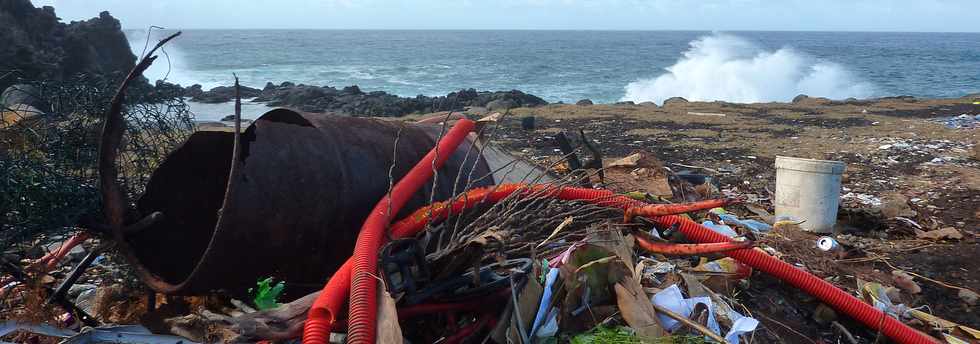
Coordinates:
(266, 295)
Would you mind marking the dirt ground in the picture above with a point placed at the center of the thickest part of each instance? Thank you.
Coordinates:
(898, 154)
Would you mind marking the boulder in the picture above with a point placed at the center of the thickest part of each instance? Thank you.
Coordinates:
(800, 98)
(18, 97)
(223, 94)
(584, 102)
(352, 90)
(39, 46)
(628, 102)
(193, 91)
(674, 100)
(648, 103)
(501, 105)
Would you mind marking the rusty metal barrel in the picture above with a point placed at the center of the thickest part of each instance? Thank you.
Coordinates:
(289, 207)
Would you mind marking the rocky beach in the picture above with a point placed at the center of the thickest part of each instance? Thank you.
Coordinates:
(79, 154)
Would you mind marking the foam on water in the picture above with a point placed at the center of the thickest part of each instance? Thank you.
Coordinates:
(729, 68)
(172, 64)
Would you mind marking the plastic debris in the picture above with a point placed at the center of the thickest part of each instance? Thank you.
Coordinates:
(672, 299)
(750, 224)
(720, 228)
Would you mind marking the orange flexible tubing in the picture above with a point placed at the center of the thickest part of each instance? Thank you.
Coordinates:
(828, 293)
(690, 249)
(361, 269)
(648, 210)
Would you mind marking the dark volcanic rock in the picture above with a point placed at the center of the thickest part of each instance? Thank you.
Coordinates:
(501, 105)
(222, 94)
(584, 102)
(194, 91)
(675, 100)
(38, 46)
(352, 100)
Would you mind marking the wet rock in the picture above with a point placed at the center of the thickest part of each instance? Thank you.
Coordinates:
(231, 118)
(584, 102)
(352, 100)
(193, 91)
(905, 98)
(674, 100)
(352, 90)
(223, 94)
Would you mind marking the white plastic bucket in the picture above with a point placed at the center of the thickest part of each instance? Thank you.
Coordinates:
(808, 189)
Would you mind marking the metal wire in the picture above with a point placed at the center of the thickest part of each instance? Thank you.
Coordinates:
(49, 156)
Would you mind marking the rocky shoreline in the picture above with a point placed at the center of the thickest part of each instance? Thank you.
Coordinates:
(353, 101)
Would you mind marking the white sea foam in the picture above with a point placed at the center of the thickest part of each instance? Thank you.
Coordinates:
(730, 68)
(171, 65)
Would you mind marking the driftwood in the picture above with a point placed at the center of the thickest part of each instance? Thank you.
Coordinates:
(280, 323)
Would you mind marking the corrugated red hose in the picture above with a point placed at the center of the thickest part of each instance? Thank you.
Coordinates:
(648, 210)
(362, 269)
(807, 282)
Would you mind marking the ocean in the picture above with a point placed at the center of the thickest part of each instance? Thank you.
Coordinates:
(604, 66)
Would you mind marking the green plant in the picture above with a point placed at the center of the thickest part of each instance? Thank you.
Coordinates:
(266, 295)
(625, 335)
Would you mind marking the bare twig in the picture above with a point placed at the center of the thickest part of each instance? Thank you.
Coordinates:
(114, 200)
(684, 320)
(843, 330)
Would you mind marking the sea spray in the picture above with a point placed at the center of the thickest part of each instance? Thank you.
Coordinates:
(729, 68)
(172, 64)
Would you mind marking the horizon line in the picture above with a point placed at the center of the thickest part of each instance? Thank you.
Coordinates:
(550, 29)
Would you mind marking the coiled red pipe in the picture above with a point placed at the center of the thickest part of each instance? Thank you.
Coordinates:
(813, 285)
(840, 300)
(805, 281)
(363, 294)
(359, 272)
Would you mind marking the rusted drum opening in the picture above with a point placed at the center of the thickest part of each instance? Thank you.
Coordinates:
(289, 207)
(189, 188)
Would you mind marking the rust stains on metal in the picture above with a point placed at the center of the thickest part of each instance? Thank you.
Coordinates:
(290, 207)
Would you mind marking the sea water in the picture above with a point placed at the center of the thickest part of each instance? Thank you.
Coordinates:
(604, 66)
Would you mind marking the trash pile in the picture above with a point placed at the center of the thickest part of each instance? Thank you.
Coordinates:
(272, 241)
(963, 121)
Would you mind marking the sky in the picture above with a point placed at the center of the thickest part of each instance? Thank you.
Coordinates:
(722, 15)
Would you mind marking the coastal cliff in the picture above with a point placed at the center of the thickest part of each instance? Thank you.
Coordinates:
(35, 44)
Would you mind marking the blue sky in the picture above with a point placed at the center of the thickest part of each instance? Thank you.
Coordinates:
(725, 15)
